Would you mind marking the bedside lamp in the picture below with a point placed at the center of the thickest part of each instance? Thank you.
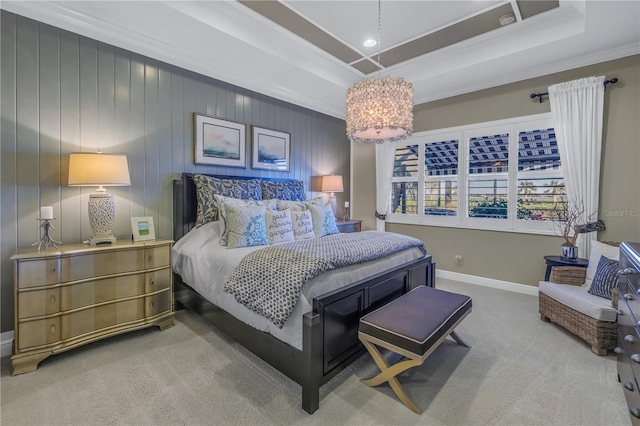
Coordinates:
(332, 184)
(97, 169)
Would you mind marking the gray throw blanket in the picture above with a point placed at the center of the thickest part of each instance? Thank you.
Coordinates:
(268, 281)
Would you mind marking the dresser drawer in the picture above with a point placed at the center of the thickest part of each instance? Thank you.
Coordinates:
(40, 272)
(157, 280)
(157, 257)
(38, 333)
(92, 265)
(38, 303)
(158, 303)
(90, 293)
(96, 320)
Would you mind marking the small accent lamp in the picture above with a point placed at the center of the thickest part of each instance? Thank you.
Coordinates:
(97, 169)
(332, 184)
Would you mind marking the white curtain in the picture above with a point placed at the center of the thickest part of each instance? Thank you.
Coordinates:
(577, 108)
(385, 153)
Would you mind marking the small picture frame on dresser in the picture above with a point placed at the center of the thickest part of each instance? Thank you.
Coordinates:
(142, 228)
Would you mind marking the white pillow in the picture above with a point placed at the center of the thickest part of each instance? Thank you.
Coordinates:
(279, 226)
(302, 225)
(222, 201)
(599, 249)
(246, 226)
(324, 222)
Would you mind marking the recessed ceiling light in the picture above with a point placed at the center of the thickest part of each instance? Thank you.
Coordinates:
(507, 18)
(369, 42)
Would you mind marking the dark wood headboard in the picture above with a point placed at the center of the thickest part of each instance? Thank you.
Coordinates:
(185, 200)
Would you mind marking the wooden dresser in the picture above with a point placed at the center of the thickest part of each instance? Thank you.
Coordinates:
(628, 348)
(66, 297)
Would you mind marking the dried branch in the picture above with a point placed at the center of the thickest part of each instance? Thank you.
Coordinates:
(569, 220)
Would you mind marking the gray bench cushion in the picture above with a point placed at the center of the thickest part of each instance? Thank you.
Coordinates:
(415, 321)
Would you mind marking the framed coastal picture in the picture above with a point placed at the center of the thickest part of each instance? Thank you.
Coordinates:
(142, 228)
(219, 142)
(270, 149)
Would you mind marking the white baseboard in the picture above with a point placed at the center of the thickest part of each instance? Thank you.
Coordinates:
(488, 282)
(6, 343)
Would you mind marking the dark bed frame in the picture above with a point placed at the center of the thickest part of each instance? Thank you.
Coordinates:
(330, 331)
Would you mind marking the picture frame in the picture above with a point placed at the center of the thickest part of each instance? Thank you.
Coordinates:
(270, 149)
(142, 228)
(219, 142)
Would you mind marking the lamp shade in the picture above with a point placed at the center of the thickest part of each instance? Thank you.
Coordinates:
(331, 183)
(95, 169)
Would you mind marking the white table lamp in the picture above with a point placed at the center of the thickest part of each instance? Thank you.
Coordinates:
(332, 184)
(97, 169)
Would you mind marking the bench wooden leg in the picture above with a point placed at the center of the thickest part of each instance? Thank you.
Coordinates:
(388, 374)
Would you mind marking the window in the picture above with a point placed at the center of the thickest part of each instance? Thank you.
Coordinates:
(503, 175)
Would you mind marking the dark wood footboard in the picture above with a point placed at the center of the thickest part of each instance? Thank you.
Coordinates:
(330, 330)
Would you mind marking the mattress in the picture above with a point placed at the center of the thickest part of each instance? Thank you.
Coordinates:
(205, 266)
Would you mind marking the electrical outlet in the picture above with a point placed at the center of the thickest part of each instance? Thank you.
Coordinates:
(458, 259)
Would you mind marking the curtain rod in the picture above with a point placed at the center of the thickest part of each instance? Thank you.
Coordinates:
(540, 95)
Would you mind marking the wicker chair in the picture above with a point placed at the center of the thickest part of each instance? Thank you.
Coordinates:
(589, 317)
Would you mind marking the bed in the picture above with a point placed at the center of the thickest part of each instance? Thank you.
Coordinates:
(327, 340)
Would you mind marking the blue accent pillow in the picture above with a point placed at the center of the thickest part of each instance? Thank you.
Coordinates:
(293, 191)
(324, 222)
(246, 226)
(606, 278)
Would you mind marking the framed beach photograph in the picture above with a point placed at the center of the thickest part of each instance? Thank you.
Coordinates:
(270, 149)
(142, 228)
(219, 142)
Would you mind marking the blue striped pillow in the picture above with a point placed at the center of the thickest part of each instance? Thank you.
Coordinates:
(606, 278)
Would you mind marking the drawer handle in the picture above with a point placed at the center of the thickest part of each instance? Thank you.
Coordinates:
(635, 412)
(628, 296)
(617, 350)
(52, 269)
(629, 338)
(53, 328)
(628, 386)
(152, 304)
(635, 358)
(150, 258)
(627, 271)
(52, 299)
(151, 282)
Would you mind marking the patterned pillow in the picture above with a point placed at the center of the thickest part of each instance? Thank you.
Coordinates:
(283, 190)
(246, 226)
(606, 278)
(302, 224)
(221, 203)
(279, 226)
(206, 186)
(299, 205)
(324, 222)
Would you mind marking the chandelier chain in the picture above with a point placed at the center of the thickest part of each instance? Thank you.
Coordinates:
(379, 35)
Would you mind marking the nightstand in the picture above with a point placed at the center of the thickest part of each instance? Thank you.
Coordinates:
(347, 226)
(78, 294)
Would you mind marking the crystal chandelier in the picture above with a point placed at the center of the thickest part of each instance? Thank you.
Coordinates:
(379, 109)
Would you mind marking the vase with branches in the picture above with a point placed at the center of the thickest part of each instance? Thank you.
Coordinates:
(571, 220)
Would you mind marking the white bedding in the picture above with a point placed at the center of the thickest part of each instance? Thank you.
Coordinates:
(206, 266)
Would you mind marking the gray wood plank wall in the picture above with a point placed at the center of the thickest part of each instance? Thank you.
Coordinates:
(62, 93)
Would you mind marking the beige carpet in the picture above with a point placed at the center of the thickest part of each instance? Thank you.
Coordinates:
(519, 371)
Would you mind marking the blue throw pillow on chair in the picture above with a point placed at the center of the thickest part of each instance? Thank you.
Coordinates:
(606, 278)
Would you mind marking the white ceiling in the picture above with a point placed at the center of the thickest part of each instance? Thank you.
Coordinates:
(229, 41)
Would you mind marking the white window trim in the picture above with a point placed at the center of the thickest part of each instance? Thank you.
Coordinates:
(512, 126)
